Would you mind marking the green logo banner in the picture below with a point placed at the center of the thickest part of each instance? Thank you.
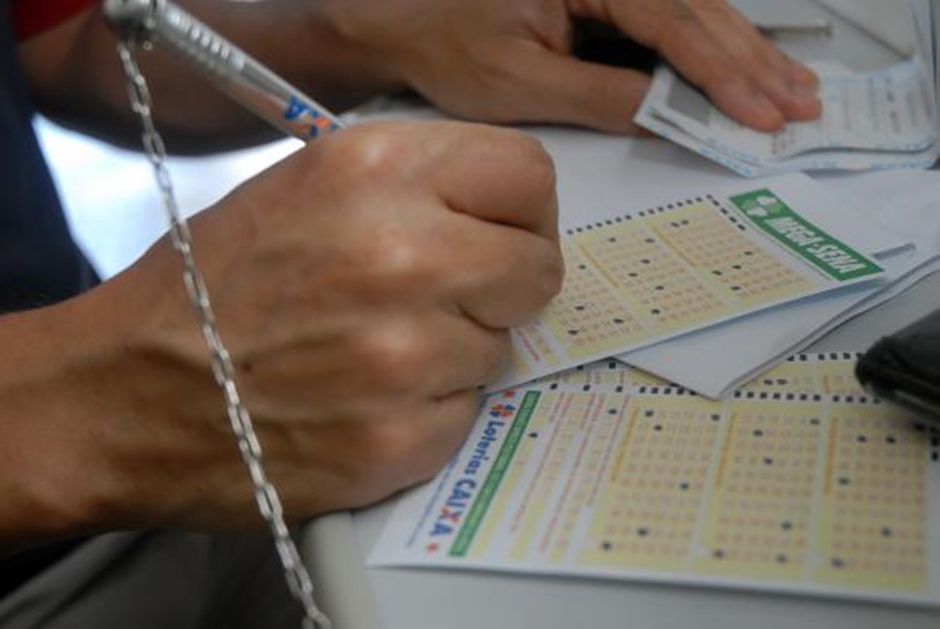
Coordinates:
(775, 218)
(494, 478)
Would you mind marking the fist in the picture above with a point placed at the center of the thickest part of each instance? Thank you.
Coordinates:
(364, 287)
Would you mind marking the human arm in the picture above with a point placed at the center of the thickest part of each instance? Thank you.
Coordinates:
(511, 62)
(364, 287)
(76, 79)
(482, 59)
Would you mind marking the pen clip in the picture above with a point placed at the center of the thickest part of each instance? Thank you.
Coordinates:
(133, 20)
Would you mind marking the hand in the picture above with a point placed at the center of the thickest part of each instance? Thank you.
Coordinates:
(510, 61)
(364, 287)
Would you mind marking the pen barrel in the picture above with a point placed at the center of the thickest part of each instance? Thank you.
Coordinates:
(231, 69)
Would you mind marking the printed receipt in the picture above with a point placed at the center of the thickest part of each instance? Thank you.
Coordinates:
(877, 120)
(798, 483)
(658, 273)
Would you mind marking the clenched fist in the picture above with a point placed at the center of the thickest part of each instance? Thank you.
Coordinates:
(364, 287)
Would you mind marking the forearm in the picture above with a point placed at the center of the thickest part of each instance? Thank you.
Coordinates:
(85, 445)
(360, 358)
(46, 480)
(76, 77)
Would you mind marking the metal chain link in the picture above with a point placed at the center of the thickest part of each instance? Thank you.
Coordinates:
(269, 504)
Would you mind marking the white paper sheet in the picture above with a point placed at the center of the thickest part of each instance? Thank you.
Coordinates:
(883, 119)
(603, 474)
(660, 272)
(909, 202)
(770, 337)
(859, 107)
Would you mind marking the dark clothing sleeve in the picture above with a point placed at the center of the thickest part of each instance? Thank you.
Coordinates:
(39, 262)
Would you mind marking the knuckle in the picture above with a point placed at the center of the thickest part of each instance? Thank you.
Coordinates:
(392, 444)
(406, 261)
(686, 19)
(679, 13)
(733, 82)
(395, 356)
(706, 6)
(545, 271)
(497, 357)
(394, 265)
(368, 153)
(540, 164)
(769, 56)
(553, 271)
(672, 37)
(492, 355)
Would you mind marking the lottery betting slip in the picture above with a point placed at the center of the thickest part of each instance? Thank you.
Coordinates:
(884, 119)
(881, 119)
(798, 483)
(646, 276)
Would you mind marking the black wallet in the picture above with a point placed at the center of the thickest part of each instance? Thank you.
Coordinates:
(905, 368)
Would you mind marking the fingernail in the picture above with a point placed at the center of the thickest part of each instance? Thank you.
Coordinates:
(802, 101)
(799, 74)
(766, 111)
(806, 93)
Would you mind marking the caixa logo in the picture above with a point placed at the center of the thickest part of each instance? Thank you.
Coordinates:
(451, 512)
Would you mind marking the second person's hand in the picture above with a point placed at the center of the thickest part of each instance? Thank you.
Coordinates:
(511, 61)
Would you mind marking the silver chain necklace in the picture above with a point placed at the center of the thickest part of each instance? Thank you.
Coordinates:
(266, 496)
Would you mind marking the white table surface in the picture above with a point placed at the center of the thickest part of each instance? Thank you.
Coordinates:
(363, 598)
(115, 214)
(368, 598)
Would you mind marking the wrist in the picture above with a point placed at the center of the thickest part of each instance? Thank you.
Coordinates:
(51, 480)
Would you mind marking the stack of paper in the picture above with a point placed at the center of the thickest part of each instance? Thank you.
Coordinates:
(645, 276)
(874, 120)
(798, 483)
(880, 19)
(593, 190)
(777, 333)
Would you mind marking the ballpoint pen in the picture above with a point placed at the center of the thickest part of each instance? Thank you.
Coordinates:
(149, 22)
(232, 70)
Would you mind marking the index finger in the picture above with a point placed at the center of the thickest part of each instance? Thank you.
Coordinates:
(497, 175)
(789, 84)
(716, 49)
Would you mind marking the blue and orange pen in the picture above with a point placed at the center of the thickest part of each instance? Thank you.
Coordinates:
(160, 22)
